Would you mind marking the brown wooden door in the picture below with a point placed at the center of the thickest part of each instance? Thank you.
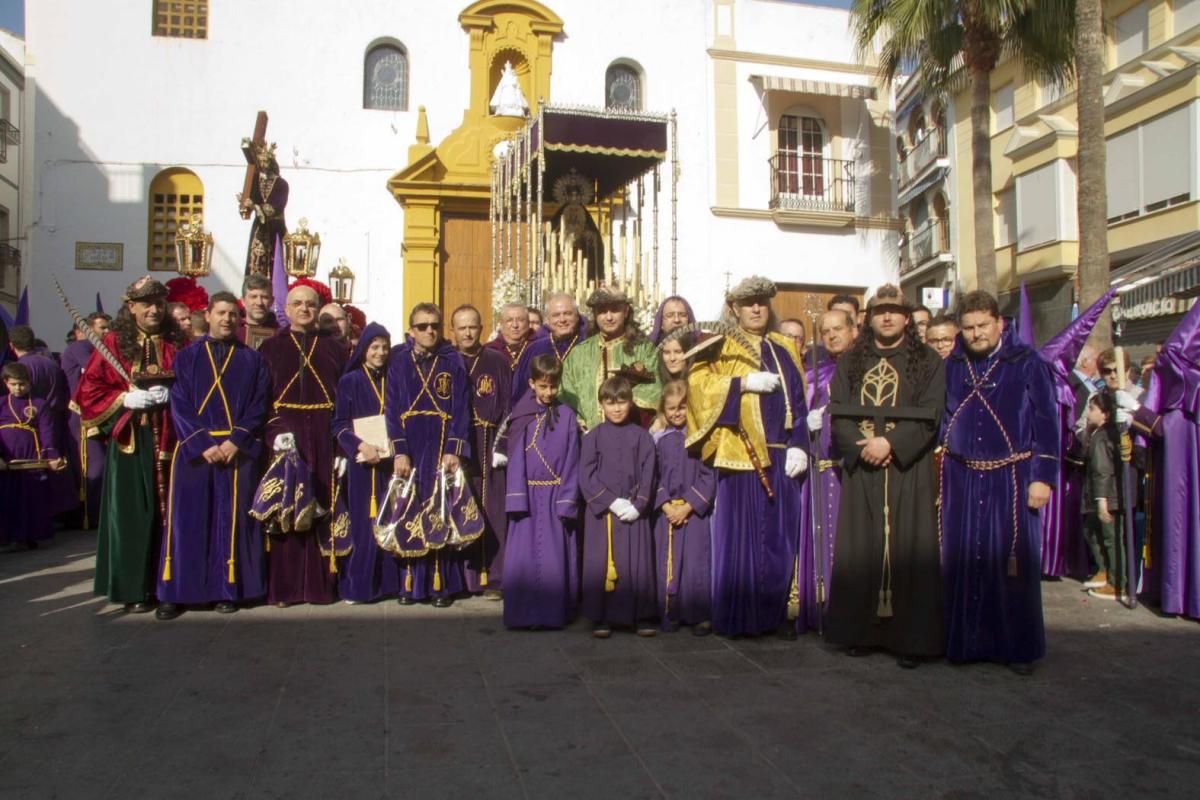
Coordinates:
(792, 300)
(467, 267)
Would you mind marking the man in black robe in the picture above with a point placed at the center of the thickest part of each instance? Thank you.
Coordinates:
(886, 401)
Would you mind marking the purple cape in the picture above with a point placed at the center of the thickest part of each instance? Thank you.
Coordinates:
(656, 327)
(48, 383)
(683, 555)
(998, 409)
(85, 457)
(212, 549)
(26, 432)
(490, 393)
(540, 559)
(544, 342)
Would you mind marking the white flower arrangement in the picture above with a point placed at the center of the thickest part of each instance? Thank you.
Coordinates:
(507, 290)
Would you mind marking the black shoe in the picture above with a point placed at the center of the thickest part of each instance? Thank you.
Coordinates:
(857, 652)
(31, 545)
(1022, 668)
(908, 662)
(703, 629)
(225, 607)
(143, 607)
(787, 632)
(443, 602)
(167, 611)
(406, 601)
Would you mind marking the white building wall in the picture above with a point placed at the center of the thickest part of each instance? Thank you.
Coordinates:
(12, 52)
(114, 109)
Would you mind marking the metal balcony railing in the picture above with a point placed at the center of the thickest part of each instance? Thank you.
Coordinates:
(801, 182)
(923, 244)
(9, 135)
(932, 147)
(9, 256)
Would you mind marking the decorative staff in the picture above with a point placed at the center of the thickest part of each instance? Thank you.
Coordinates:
(811, 310)
(1127, 494)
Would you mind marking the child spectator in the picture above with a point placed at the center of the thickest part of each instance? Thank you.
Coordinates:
(1101, 498)
(26, 437)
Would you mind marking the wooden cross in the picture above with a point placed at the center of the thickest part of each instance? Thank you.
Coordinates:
(250, 149)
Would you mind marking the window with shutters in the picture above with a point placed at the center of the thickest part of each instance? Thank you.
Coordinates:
(1006, 217)
(1131, 33)
(176, 194)
(385, 77)
(1002, 108)
(181, 19)
(1123, 175)
(1184, 14)
(1046, 205)
(1168, 159)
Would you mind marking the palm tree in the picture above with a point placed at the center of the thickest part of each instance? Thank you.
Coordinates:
(937, 41)
(1092, 197)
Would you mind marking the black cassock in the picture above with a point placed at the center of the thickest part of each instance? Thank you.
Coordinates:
(886, 587)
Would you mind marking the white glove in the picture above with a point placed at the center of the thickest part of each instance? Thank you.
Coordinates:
(499, 459)
(796, 463)
(761, 382)
(160, 394)
(339, 463)
(1123, 417)
(630, 514)
(624, 510)
(284, 441)
(816, 419)
(1125, 399)
(138, 399)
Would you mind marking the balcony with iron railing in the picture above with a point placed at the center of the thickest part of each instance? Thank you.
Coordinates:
(924, 153)
(9, 256)
(808, 183)
(9, 135)
(930, 242)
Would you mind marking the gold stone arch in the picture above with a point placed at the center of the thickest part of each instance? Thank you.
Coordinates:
(450, 181)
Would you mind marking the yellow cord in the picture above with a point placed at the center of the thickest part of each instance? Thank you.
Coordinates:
(233, 529)
(610, 579)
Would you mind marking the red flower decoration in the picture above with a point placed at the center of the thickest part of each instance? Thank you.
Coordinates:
(358, 320)
(187, 291)
(321, 289)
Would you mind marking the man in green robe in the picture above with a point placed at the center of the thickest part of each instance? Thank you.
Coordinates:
(618, 346)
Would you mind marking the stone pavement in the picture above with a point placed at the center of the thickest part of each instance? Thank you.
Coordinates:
(385, 701)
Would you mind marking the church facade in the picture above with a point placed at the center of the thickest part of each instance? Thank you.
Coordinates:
(384, 133)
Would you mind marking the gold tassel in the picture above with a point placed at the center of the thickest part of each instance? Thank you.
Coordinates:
(610, 578)
(166, 576)
(437, 575)
(374, 510)
(408, 580)
(885, 603)
(483, 577)
(232, 577)
(670, 571)
(267, 542)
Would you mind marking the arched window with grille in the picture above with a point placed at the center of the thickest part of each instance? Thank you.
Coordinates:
(180, 19)
(623, 87)
(176, 194)
(385, 76)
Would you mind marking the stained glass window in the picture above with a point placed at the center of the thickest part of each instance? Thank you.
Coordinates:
(385, 81)
(623, 88)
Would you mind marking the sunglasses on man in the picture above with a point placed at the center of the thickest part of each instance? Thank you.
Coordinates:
(427, 326)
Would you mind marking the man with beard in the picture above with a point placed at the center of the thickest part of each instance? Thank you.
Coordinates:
(745, 413)
(515, 334)
(428, 419)
(836, 329)
(1000, 436)
(304, 365)
(257, 301)
(886, 401)
(212, 551)
(134, 420)
(489, 386)
(563, 330)
(86, 454)
(617, 344)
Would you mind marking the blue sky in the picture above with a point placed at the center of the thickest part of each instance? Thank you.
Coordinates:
(12, 16)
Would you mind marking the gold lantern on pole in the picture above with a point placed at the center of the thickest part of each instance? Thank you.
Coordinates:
(341, 282)
(301, 251)
(193, 249)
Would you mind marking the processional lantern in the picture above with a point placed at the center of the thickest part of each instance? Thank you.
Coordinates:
(341, 282)
(301, 251)
(193, 249)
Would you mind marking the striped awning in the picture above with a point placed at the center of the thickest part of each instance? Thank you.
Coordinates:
(1170, 271)
(775, 83)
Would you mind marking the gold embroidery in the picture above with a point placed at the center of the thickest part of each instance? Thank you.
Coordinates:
(880, 387)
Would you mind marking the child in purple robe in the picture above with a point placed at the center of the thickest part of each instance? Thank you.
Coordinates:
(26, 434)
(683, 547)
(540, 577)
(616, 476)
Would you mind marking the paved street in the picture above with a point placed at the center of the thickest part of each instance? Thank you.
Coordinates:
(384, 701)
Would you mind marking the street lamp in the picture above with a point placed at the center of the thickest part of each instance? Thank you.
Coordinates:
(301, 251)
(341, 282)
(193, 249)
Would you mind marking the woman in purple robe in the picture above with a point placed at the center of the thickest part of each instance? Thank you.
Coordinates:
(541, 580)
(616, 477)
(367, 572)
(26, 434)
(682, 543)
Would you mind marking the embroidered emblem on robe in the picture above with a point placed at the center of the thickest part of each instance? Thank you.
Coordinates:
(485, 386)
(442, 384)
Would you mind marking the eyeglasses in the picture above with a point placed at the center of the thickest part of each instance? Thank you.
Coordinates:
(427, 326)
(1109, 371)
(947, 340)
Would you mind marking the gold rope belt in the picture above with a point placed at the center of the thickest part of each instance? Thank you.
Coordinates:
(825, 464)
(985, 465)
(304, 406)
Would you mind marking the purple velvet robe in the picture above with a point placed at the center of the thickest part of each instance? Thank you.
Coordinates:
(512, 355)
(541, 579)
(26, 432)
(48, 383)
(302, 394)
(490, 391)
(756, 540)
(683, 556)
(86, 457)
(826, 470)
(998, 407)
(212, 548)
(617, 461)
(543, 342)
(429, 416)
(367, 572)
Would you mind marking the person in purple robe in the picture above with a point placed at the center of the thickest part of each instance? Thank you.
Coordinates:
(304, 365)
(490, 392)
(1064, 549)
(1167, 416)
(514, 336)
(616, 478)
(836, 329)
(212, 550)
(672, 314)
(367, 572)
(1000, 439)
(428, 419)
(48, 384)
(746, 413)
(682, 544)
(86, 456)
(565, 327)
(26, 435)
(541, 578)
